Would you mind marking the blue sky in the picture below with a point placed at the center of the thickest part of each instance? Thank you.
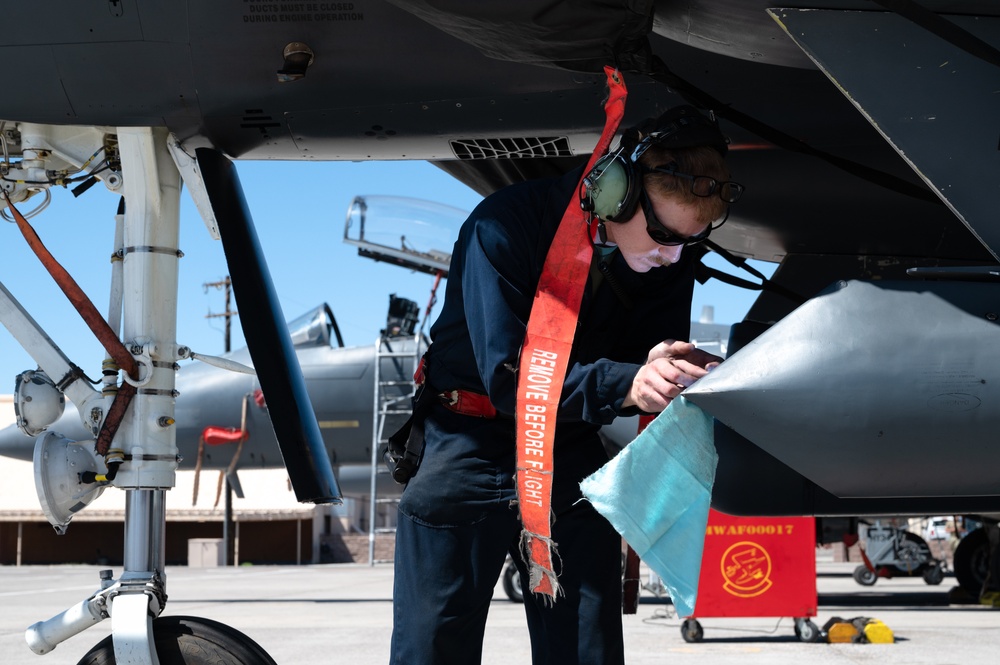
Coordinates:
(299, 210)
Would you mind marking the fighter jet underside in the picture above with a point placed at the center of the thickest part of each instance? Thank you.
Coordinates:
(866, 139)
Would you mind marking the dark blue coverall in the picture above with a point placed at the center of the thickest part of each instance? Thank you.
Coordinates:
(458, 515)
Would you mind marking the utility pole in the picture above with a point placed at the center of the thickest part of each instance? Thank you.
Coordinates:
(227, 286)
(228, 533)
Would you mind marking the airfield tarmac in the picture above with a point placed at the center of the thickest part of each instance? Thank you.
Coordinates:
(342, 613)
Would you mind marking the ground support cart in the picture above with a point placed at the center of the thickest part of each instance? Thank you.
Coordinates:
(757, 567)
(891, 552)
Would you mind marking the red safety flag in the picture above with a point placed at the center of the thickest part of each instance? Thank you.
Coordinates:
(544, 360)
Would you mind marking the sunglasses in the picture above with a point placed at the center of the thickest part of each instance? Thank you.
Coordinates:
(664, 236)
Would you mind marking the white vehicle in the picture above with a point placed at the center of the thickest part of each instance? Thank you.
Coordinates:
(937, 529)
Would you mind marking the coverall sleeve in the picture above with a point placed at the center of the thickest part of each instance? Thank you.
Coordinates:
(499, 277)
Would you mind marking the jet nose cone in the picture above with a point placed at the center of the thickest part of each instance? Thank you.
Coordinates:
(888, 375)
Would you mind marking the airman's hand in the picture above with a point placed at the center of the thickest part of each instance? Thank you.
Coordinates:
(671, 366)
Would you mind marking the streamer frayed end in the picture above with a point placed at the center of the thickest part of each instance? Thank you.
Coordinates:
(538, 553)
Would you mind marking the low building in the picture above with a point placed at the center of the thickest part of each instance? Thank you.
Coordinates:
(269, 525)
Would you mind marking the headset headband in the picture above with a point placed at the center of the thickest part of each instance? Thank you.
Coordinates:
(611, 190)
(680, 127)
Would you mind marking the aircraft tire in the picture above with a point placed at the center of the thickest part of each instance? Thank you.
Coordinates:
(972, 562)
(512, 583)
(183, 640)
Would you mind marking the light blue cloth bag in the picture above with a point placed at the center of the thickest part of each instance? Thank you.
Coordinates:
(656, 493)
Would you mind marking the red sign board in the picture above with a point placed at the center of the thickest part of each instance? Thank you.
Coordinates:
(758, 567)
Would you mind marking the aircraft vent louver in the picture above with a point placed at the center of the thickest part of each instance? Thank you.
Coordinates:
(257, 119)
(512, 148)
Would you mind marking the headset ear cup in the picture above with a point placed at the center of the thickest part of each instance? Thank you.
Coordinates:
(610, 189)
(631, 200)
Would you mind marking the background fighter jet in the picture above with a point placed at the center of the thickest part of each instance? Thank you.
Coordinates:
(222, 418)
(866, 138)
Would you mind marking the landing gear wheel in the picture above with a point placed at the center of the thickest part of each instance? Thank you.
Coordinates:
(512, 583)
(806, 630)
(933, 574)
(182, 640)
(691, 630)
(972, 562)
(864, 577)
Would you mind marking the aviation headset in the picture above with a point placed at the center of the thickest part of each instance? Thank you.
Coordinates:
(611, 189)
